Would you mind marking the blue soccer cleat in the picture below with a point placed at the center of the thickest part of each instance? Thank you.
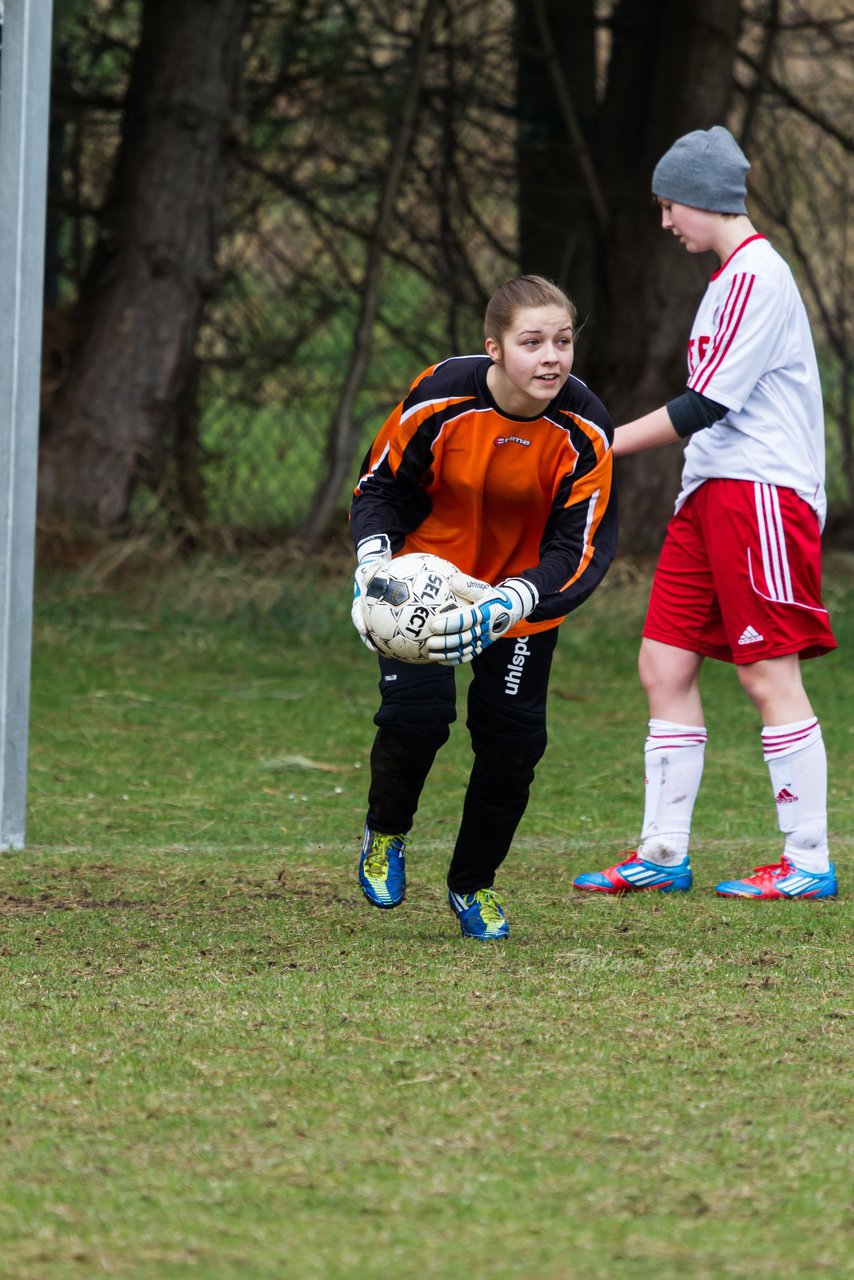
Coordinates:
(382, 868)
(781, 880)
(480, 914)
(634, 874)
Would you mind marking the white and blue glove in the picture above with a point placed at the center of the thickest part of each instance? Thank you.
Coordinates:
(373, 554)
(463, 634)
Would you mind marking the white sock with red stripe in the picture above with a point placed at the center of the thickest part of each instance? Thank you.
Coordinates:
(797, 762)
(673, 756)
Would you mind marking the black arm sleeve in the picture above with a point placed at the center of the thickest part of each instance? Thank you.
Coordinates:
(691, 412)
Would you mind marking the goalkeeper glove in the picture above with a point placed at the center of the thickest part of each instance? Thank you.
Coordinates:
(372, 554)
(460, 636)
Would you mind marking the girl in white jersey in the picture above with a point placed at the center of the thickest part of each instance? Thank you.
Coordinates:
(739, 577)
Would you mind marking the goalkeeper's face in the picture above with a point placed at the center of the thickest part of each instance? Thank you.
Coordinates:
(532, 361)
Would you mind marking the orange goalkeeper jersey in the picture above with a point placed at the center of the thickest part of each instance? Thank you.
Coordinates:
(451, 474)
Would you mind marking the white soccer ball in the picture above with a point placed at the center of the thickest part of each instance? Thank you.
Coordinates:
(401, 599)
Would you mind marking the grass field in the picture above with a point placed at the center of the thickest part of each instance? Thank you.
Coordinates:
(217, 1061)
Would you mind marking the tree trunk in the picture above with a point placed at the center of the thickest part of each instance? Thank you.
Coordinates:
(558, 220)
(141, 303)
(671, 71)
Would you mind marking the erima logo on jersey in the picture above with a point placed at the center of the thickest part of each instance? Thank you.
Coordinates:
(511, 440)
(750, 636)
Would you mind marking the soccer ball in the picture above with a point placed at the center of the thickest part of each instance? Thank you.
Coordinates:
(401, 599)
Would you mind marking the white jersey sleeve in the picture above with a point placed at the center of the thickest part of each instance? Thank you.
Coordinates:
(751, 349)
(745, 331)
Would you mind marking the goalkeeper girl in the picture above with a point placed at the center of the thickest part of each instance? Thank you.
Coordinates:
(500, 463)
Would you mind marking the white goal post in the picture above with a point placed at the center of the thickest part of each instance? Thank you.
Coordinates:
(25, 26)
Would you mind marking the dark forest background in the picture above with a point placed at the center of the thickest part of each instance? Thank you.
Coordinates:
(266, 216)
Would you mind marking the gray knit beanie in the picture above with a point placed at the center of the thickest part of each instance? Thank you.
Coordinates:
(705, 169)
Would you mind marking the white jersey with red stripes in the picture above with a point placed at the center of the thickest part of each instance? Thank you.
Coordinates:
(751, 349)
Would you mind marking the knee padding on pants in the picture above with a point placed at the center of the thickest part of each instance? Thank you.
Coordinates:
(505, 771)
(423, 702)
(496, 729)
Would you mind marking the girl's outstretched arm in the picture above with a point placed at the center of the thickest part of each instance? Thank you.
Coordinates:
(648, 432)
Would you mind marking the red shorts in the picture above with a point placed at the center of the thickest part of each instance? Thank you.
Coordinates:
(739, 576)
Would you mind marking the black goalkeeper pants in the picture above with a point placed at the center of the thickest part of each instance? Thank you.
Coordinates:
(507, 723)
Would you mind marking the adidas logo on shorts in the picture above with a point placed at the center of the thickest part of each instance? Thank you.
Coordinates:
(750, 636)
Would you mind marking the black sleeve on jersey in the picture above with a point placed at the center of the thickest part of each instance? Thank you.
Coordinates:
(397, 504)
(562, 548)
(563, 542)
(392, 504)
(692, 412)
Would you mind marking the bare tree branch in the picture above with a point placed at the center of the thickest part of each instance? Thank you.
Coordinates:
(340, 437)
(570, 117)
(772, 29)
(797, 105)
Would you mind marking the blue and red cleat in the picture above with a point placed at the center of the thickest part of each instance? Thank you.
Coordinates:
(634, 874)
(781, 880)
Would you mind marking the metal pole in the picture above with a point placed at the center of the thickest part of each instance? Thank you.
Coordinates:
(24, 111)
